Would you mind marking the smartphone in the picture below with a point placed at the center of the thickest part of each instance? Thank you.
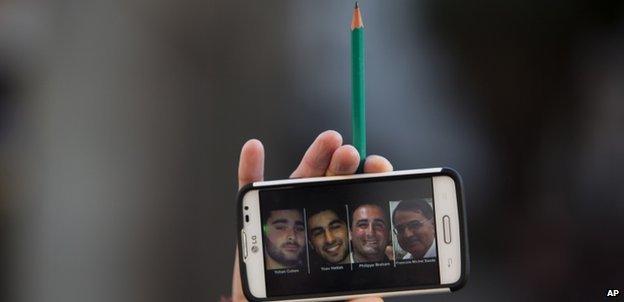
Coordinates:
(343, 237)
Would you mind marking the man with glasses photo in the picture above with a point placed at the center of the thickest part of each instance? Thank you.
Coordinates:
(413, 227)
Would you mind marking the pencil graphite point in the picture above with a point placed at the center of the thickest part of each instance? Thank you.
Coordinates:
(356, 22)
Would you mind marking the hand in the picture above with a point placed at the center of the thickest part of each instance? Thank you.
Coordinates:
(325, 157)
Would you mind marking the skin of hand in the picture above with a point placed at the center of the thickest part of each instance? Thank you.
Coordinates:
(326, 156)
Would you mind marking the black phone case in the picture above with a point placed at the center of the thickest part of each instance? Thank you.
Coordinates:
(463, 233)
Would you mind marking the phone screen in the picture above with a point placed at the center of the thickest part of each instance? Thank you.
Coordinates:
(364, 236)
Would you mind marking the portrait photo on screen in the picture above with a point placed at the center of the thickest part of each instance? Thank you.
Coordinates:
(370, 232)
(328, 235)
(285, 239)
(413, 229)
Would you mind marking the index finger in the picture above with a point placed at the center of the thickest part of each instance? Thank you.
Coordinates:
(318, 156)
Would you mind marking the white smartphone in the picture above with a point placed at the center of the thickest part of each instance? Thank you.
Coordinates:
(343, 237)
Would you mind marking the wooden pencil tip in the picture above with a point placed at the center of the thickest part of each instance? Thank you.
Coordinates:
(356, 22)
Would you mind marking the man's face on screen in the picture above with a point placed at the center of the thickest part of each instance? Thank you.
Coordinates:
(286, 237)
(369, 232)
(414, 231)
(329, 236)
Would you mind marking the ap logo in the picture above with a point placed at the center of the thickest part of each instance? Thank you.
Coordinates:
(613, 293)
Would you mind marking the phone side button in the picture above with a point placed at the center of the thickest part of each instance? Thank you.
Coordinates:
(244, 244)
(446, 228)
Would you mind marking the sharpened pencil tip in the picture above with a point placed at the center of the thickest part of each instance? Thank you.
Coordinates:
(356, 22)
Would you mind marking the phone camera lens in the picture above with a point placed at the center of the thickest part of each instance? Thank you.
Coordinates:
(254, 249)
(246, 218)
(246, 208)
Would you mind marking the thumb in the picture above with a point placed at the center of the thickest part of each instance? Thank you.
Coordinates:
(251, 163)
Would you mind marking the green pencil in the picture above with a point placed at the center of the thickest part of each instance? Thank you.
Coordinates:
(358, 104)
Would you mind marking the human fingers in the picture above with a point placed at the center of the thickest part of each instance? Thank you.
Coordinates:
(237, 287)
(318, 156)
(251, 163)
(250, 169)
(344, 161)
(377, 164)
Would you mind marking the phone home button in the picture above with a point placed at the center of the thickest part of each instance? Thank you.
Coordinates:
(446, 228)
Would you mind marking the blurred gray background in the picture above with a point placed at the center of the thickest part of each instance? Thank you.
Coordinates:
(121, 123)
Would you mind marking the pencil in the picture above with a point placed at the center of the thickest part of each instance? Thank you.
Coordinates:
(358, 104)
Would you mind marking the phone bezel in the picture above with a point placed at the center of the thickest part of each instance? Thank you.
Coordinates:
(316, 181)
(448, 252)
